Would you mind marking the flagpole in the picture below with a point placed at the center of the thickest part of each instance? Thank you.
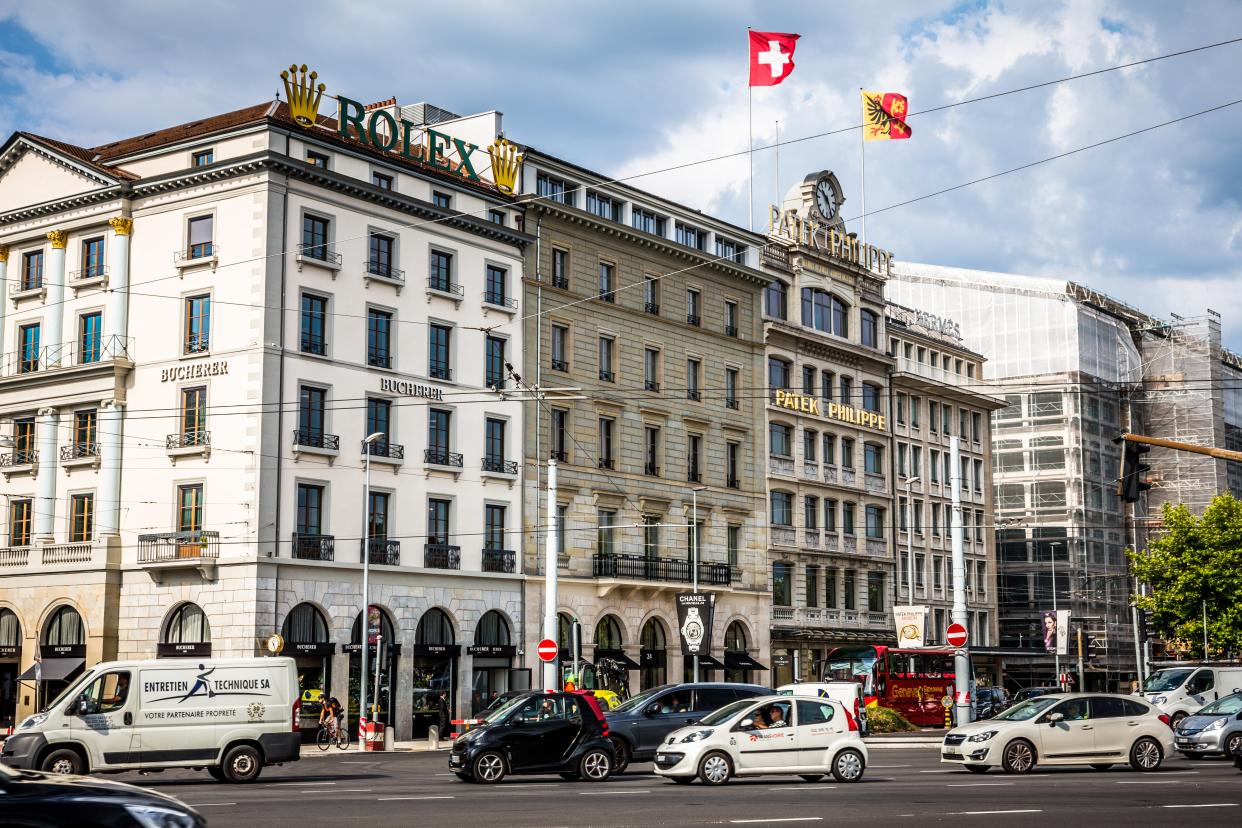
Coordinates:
(750, 156)
(778, 163)
(862, 176)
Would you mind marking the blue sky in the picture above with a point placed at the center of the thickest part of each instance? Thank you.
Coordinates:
(627, 88)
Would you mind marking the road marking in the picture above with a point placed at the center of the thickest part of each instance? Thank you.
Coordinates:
(291, 784)
(1207, 805)
(344, 790)
(208, 804)
(805, 786)
(1014, 811)
(1151, 782)
(395, 798)
(977, 784)
(939, 771)
(611, 793)
(887, 767)
(778, 819)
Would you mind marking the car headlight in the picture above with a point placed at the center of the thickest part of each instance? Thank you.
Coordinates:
(1216, 724)
(696, 736)
(33, 721)
(983, 737)
(1160, 700)
(157, 816)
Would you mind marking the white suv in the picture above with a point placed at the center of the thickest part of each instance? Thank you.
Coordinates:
(764, 736)
(1064, 729)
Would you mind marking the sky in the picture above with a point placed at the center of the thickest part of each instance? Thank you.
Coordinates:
(629, 88)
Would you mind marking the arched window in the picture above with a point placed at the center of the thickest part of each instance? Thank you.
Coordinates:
(738, 663)
(824, 312)
(64, 627)
(778, 372)
(653, 655)
(385, 628)
(434, 628)
(608, 633)
(492, 630)
(776, 299)
(187, 625)
(10, 629)
(735, 640)
(305, 625)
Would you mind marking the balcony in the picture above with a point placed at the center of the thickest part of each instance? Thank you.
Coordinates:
(89, 276)
(496, 465)
(179, 550)
(442, 457)
(441, 556)
(730, 330)
(379, 359)
(776, 254)
(605, 463)
(313, 547)
(560, 365)
(197, 343)
(59, 556)
(876, 483)
(314, 441)
(381, 551)
(384, 272)
(188, 444)
(693, 319)
(499, 560)
(443, 286)
(651, 308)
(651, 469)
(783, 535)
(608, 296)
(496, 299)
(440, 371)
(319, 255)
(732, 402)
(668, 570)
(694, 394)
(21, 461)
(607, 376)
(79, 454)
(109, 353)
(199, 255)
(14, 556)
(559, 455)
(383, 450)
(877, 546)
(651, 385)
(561, 282)
(315, 345)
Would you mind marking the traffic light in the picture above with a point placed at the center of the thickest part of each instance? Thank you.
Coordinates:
(1133, 480)
(1149, 625)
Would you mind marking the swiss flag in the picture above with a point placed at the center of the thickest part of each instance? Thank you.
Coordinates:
(771, 57)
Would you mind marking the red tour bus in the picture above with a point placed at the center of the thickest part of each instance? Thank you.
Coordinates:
(912, 682)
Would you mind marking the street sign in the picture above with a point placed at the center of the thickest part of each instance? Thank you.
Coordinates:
(946, 702)
(547, 650)
(955, 635)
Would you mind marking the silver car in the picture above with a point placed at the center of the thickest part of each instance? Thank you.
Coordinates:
(1215, 729)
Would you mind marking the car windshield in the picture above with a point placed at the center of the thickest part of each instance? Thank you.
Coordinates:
(1166, 679)
(725, 713)
(68, 691)
(1027, 710)
(493, 716)
(638, 702)
(1225, 707)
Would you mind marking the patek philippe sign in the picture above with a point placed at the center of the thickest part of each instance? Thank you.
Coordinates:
(788, 225)
(910, 622)
(405, 388)
(694, 621)
(194, 370)
(806, 404)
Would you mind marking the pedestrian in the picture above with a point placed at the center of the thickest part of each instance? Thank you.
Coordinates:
(442, 707)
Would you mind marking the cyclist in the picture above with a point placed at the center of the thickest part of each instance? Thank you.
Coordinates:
(332, 714)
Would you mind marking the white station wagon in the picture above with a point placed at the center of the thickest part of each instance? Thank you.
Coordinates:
(763, 736)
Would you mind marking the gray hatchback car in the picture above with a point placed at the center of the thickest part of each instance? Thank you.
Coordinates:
(1214, 729)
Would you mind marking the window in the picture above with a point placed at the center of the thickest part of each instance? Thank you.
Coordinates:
(978, 466)
(694, 537)
(494, 359)
(560, 268)
(976, 426)
(850, 586)
(847, 390)
(194, 416)
(316, 159)
(202, 158)
(24, 451)
(560, 433)
(810, 513)
(732, 464)
(379, 338)
(733, 544)
(198, 324)
(90, 336)
(604, 540)
(981, 579)
(782, 508)
(439, 423)
(603, 206)
(875, 521)
(496, 217)
(847, 452)
(442, 200)
(651, 295)
(903, 514)
(312, 408)
(651, 369)
(560, 348)
(778, 373)
(606, 427)
(830, 588)
(441, 272)
(935, 523)
(873, 458)
(938, 574)
(870, 397)
(651, 536)
(84, 433)
(691, 236)
(201, 231)
(494, 445)
(808, 380)
(825, 385)
(693, 370)
(830, 515)
(847, 518)
(731, 377)
(812, 586)
(647, 221)
(438, 520)
(494, 526)
(902, 452)
(20, 512)
(439, 365)
(875, 592)
(934, 466)
(730, 318)
(190, 508)
(946, 418)
(693, 309)
(824, 312)
(776, 299)
(830, 449)
(920, 567)
(377, 516)
(915, 404)
(782, 584)
(607, 356)
(962, 419)
(869, 328)
(384, 182)
(380, 258)
(81, 518)
(314, 322)
(731, 250)
(495, 285)
(555, 189)
(309, 518)
(933, 415)
(32, 270)
(979, 527)
(780, 440)
(651, 450)
(315, 237)
(379, 421)
(92, 258)
(900, 408)
(810, 438)
(607, 282)
(694, 458)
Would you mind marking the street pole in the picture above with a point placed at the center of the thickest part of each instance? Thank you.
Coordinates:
(1056, 647)
(961, 681)
(694, 562)
(365, 626)
(910, 536)
(1205, 654)
(379, 648)
(549, 577)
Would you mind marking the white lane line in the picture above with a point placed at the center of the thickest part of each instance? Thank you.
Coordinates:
(981, 813)
(344, 790)
(1206, 805)
(978, 784)
(810, 786)
(395, 798)
(887, 767)
(1150, 782)
(939, 771)
(778, 819)
(611, 793)
(208, 804)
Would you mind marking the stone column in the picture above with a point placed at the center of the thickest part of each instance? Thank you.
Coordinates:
(45, 503)
(111, 421)
(116, 317)
(54, 281)
(4, 289)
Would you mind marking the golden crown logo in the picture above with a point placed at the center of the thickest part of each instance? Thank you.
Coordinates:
(302, 93)
(506, 163)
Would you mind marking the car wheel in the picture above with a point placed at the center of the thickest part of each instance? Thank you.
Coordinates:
(976, 768)
(1232, 744)
(1145, 755)
(63, 762)
(216, 773)
(595, 766)
(848, 766)
(1019, 757)
(1101, 766)
(489, 768)
(811, 777)
(464, 777)
(623, 755)
(241, 764)
(715, 769)
(1176, 720)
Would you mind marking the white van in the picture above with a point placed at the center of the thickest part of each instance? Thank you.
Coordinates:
(1182, 689)
(230, 716)
(849, 693)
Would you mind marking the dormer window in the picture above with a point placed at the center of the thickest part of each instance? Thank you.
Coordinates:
(203, 157)
(648, 222)
(603, 206)
(691, 236)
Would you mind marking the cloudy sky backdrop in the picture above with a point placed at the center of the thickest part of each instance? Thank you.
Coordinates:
(631, 87)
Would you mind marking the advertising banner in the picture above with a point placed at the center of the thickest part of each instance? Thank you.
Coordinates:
(373, 623)
(910, 620)
(1056, 631)
(694, 620)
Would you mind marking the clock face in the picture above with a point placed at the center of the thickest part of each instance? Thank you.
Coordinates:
(826, 199)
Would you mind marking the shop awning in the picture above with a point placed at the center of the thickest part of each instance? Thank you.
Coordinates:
(742, 661)
(618, 656)
(54, 669)
(706, 662)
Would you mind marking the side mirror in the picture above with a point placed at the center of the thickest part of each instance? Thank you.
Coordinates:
(652, 709)
(1054, 718)
(745, 723)
(83, 705)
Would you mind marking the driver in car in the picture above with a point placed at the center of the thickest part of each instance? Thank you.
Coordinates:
(1075, 711)
(776, 716)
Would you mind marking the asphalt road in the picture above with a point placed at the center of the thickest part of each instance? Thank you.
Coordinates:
(901, 787)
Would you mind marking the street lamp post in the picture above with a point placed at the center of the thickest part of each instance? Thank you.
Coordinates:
(366, 579)
(694, 560)
(1056, 646)
(910, 534)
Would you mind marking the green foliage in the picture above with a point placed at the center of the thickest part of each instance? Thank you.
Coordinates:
(1197, 559)
(887, 720)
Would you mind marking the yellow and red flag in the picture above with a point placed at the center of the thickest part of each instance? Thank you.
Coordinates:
(884, 116)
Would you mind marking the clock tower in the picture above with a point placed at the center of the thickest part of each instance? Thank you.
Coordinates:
(818, 197)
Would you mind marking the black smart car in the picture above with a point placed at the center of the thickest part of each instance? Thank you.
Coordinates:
(40, 800)
(639, 725)
(537, 732)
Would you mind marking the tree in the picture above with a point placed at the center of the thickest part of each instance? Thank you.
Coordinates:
(1196, 560)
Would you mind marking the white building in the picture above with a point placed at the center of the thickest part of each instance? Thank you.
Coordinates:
(201, 326)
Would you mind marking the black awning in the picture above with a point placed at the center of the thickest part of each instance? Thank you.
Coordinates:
(706, 662)
(741, 661)
(618, 656)
(54, 669)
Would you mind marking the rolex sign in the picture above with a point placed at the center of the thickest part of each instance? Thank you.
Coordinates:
(694, 618)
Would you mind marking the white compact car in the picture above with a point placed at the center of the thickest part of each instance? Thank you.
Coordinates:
(1064, 729)
(767, 735)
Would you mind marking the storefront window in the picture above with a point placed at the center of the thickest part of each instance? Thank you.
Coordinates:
(10, 658)
(653, 654)
(736, 644)
(434, 667)
(493, 654)
(379, 694)
(306, 640)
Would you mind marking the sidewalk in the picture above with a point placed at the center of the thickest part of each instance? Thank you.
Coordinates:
(419, 746)
(926, 738)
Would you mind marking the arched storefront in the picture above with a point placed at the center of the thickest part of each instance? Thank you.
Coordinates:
(739, 666)
(564, 637)
(62, 653)
(608, 646)
(383, 655)
(653, 654)
(434, 667)
(10, 659)
(186, 633)
(305, 632)
(492, 654)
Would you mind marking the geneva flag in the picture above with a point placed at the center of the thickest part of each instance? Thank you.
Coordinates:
(884, 116)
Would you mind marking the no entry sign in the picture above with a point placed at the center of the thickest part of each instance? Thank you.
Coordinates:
(547, 650)
(955, 635)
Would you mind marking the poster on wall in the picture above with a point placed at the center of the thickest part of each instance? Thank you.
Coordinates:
(910, 621)
(1056, 631)
(694, 621)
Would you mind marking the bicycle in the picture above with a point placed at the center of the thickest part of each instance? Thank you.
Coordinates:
(330, 733)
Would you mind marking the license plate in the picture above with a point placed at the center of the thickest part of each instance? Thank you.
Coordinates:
(454, 760)
(1184, 742)
(661, 757)
(951, 752)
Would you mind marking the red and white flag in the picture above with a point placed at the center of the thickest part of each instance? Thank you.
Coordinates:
(771, 57)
